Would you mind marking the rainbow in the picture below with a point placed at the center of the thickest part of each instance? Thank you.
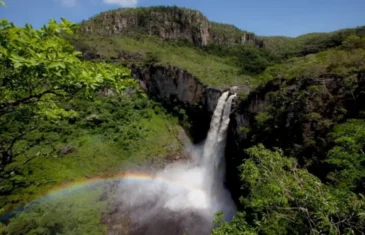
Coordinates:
(125, 176)
(128, 177)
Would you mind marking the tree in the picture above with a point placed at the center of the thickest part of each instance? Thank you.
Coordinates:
(347, 157)
(353, 42)
(280, 198)
(38, 70)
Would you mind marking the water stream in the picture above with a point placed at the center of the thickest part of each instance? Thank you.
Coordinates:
(183, 197)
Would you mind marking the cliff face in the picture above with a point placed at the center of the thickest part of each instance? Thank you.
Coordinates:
(224, 34)
(176, 88)
(170, 23)
(167, 83)
(294, 115)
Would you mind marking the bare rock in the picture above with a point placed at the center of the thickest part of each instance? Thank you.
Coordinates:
(67, 149)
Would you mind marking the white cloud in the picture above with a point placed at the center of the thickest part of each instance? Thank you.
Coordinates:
(122, 3)
(68, 3)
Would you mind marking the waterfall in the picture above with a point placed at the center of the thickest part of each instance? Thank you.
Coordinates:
(215, 143)
(212, 137)
(185, 194)
(212, 159)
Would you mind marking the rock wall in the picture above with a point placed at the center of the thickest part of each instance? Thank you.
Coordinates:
(170, 23)
(225, 34)
(300, 114)
(166, 83)
(174, 23)
(176, 88)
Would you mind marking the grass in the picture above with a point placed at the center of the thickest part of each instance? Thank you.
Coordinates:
(133, 131)
(210, 69)
(71, 213)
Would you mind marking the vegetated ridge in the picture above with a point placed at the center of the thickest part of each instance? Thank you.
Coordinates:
(295, 148)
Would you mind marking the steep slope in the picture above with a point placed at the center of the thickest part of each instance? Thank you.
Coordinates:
(169, 36)
(217, 54)
(121, 49)
(171, 23)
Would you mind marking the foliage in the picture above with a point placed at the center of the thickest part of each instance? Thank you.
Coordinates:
(107, 133)
(238, 226)
(40, 64)
(77, 212)
(344, 61)
(39, 69)
(347, 156)
(354, 42)
(223, 62)
(286, 47)
(52, 100)
(280, 198)
(251, 59)
(261, 118)
(124, 132)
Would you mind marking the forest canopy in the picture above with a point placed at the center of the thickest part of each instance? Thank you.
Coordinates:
(40, 69)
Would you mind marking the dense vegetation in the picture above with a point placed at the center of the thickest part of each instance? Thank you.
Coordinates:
(307, 44)
(64, 119)
(281, 198)
(314, 113)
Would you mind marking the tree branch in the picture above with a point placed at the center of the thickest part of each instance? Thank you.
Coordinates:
(27, 100)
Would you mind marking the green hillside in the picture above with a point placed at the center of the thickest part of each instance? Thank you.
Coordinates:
(71, 115)
(84, 120)
(215, 64)
(210, 69)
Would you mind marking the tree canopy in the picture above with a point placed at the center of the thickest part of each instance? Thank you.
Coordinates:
(280, 198)
(39, 68)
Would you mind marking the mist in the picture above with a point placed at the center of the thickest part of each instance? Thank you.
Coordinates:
(184, 196)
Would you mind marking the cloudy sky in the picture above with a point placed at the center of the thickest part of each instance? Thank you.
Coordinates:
(263, 17)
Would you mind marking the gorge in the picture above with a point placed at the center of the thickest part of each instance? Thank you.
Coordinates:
(164, 119)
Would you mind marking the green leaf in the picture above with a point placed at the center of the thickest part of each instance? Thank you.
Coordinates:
(57, 65)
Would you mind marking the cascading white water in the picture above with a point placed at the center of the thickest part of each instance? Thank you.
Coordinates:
(182, 189)
(212, 137)
(213, 152)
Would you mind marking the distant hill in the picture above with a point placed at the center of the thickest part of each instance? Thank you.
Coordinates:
(218, 54)
(168, 23)
(308, 43)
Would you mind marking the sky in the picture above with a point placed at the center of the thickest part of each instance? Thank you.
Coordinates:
(262, 17)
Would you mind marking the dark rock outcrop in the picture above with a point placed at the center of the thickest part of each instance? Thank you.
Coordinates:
(300, 113)
(176, 88)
